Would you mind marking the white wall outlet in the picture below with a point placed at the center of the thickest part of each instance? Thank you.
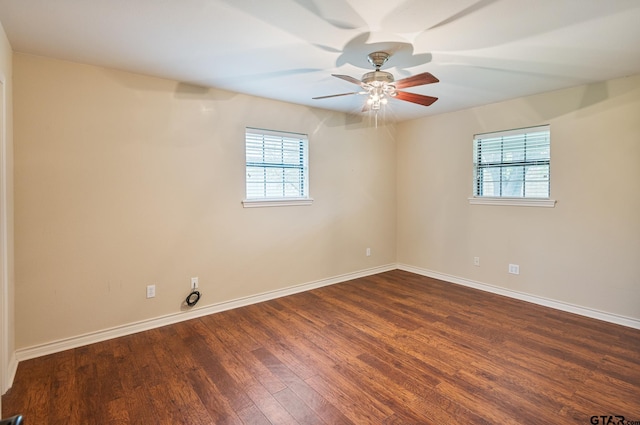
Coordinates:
(514, 269)
(368, 252)
(476, 261)
(194, 283)
(151, 291)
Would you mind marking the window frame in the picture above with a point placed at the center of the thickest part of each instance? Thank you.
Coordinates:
(510, 200)
(302, 166)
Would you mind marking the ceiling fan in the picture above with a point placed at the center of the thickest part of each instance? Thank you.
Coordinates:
(380, 85)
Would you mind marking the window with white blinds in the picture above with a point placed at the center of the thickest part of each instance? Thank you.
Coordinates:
(512, 164)
(276, 165)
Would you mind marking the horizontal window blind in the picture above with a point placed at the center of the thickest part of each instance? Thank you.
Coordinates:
(513, 163)
(276, 164)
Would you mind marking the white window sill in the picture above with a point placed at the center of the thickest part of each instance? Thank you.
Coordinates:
(259, 203)
(518, 202)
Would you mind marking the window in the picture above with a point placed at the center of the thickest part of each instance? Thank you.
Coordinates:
(512, 164)
(276, 168)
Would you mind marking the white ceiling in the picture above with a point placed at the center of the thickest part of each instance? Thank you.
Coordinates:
(482, 51)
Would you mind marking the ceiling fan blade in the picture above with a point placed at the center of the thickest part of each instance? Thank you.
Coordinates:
(416, 80)
(415, 98)
(348, 78)
(336, 95)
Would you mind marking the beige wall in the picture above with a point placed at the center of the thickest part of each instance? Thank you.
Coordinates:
(585, 251)
(124, 180)
(6, 229)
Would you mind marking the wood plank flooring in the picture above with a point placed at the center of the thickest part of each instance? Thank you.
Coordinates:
(395, 348)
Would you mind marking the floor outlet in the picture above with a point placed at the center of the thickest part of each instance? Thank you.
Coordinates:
(194, 283)
(151, 291)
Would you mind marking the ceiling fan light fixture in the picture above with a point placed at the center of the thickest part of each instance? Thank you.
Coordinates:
(380, 85)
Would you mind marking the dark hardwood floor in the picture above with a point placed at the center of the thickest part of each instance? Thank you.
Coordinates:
(395, 348)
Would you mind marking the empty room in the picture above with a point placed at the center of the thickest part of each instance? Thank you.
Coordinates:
(319, 212)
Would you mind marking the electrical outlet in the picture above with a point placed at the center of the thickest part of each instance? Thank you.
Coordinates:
(368, 252)
(194, 283)
(514, 269)
(151, 291)
(476, 261)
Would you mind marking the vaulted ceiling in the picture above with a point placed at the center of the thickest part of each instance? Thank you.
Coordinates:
(482, 51)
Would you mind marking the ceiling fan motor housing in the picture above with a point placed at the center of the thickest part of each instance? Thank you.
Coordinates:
(379, 76)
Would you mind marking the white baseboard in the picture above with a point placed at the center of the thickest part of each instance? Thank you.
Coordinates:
(546, 302)
(12, 369)
(131, 328)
